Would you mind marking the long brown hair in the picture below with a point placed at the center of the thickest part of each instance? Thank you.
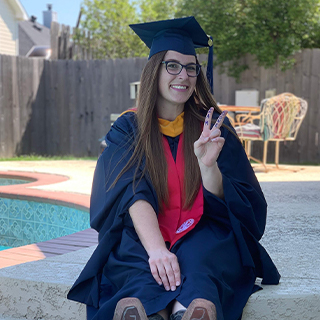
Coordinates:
(148, 143)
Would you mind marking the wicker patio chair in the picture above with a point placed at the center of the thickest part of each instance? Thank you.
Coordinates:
(279, 120)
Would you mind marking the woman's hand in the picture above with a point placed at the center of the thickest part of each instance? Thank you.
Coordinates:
(165, 268)
(207, 148)
(163, 264)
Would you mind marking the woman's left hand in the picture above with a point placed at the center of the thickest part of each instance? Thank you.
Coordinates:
(207, 148)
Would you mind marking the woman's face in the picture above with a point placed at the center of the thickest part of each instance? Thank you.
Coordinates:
(175, 90)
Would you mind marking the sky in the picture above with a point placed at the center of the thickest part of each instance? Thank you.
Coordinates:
(67, 10)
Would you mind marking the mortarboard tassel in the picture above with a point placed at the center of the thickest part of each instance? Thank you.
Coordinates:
(210, 64)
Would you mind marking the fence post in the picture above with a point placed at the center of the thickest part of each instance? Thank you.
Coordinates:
(54, 33)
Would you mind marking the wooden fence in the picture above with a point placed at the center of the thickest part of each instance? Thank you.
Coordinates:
(65, 43)
(62, 107)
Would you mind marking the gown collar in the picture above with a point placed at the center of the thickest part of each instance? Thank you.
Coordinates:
(172, 128)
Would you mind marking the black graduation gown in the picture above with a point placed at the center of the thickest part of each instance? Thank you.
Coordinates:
(219, 259)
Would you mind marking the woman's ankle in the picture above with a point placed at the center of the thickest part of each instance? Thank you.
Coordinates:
(155, 316)
(177, 315)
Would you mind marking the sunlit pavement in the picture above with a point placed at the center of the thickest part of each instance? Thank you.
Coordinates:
(292, 235)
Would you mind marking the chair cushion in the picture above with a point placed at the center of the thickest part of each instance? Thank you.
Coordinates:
(248, 130)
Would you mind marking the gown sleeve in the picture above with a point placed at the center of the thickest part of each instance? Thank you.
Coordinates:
(104, 197)
(109, 205)
(243, 208)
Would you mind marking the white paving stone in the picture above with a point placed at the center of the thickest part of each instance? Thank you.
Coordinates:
(37, 290)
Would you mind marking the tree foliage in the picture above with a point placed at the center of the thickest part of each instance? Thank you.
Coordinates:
(153, 10)
(107, 32)
(271, 30)
(106, 23)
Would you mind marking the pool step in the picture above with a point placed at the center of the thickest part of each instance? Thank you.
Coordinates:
(50, 248)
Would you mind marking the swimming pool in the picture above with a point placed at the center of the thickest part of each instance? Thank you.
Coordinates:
(5, 181)
(24, 222)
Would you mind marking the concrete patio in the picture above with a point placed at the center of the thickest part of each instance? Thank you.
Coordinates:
(37, 290)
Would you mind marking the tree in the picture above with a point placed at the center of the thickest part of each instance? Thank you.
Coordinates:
(107, 24)
(153, 10)
(271, 30)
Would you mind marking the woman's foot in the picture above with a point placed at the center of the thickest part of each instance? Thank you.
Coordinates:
(128, 309)
(200, 309)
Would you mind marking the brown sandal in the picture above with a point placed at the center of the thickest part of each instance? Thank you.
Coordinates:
(200, 309)
(128, 309)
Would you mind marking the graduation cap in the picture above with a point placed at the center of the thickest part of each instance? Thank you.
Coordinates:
(182, 35)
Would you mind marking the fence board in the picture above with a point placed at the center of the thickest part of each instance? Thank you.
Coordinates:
(297, 85)
(25, 98)
(52, 120)
(15, 106)
(253, 74)
(281, 80)
(76, 109)
(48, 104)
(316, 73)
(89, 82)
(72, 106)
(63, 107)
(106, 96)
(313, 100)
(306, 72)
(95, 105)
(54, 38)
(317, 133)
(297, 74)
(83, 104)
(224, 89)
(8, 103)
(33, 120)
(38, 116)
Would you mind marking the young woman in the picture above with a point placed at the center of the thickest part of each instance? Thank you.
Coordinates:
(176, 203)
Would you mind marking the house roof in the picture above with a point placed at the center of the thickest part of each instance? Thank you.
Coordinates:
(18, 9)
(38, 33)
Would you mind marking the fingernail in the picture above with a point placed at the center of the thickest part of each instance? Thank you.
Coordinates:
(178, 283)
(159, 283)
(206, 139)
(173, 288)
(167, 288)
(214, 139)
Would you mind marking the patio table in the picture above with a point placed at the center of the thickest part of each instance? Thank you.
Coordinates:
(248, 110)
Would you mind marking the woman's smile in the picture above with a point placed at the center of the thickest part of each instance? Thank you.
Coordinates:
(179, 87)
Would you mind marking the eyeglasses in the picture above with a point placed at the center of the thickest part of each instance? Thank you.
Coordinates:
(174, 68)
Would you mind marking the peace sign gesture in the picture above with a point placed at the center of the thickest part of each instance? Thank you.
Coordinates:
(207, 148)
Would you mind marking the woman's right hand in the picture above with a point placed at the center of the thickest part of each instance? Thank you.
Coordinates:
(165, 268)
(163, 264)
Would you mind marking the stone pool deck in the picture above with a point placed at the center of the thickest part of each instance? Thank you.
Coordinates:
(37, 289)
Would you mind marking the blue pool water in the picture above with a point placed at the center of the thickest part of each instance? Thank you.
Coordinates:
(4, 248)
(24, 222)
(8, 182)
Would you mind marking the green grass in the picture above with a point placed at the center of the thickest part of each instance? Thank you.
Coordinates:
(34, 157)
